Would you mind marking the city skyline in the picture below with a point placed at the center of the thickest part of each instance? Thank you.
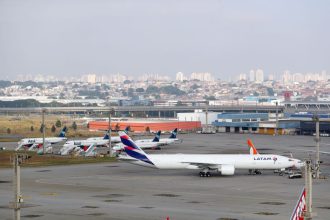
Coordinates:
(225, 38)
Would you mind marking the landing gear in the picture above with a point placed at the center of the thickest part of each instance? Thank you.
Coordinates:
(254, 172)
(204, 174)
(258, 172)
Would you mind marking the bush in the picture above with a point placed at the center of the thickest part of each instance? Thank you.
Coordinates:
(74, 126)
(58, 123)
(53, 129)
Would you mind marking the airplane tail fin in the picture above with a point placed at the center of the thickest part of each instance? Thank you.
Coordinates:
(157, 137)
(132, 149)
(174, 133)
(63, 131)
(106, 136)
(253, 149)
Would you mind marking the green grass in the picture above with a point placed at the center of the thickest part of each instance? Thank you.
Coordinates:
(36, 160)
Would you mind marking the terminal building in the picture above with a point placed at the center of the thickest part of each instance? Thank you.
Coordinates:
(265, 123)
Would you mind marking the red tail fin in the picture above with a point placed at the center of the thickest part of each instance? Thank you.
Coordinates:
(253, 150)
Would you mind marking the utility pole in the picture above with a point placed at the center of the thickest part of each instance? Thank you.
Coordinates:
(109, 125)
(276, 129)
(317, 140)
(17, 187)
(43, 130)
(308, 188)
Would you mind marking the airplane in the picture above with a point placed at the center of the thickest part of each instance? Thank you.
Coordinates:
(79, 145)
(226, 164)
(36, 143)
(143, 143)
(164, 141)
(115, 139)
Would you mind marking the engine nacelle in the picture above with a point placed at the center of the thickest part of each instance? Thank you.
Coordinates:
(227, 170)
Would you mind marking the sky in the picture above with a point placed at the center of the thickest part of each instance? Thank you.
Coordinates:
(75, 37)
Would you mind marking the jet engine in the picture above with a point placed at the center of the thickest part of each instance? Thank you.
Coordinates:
(227, 170)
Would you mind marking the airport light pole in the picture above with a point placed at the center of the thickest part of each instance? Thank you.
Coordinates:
(317, 140)
(17, 187)
(111, 110)
(43, 130)
(308, 188)
(276, 129)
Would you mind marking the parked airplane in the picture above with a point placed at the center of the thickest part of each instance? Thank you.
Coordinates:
(163, 141)
(226, 164)
(115, 139)
(143, 143)
(36, 143)
(80, 145)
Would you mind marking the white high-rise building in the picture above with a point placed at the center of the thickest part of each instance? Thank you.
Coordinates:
(271, 77)
(259, 76)
(287, 77)
(252, 76)
(91, 78)
(202, 76)
(180, 77)
(242, 76)
(298, 77)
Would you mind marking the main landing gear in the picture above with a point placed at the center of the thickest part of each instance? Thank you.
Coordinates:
(253, 172)
(204, 174)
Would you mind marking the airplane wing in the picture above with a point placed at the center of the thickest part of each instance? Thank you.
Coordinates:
(204, 165)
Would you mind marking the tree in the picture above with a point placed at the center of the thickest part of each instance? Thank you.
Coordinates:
(58, 123)
(117, 127)
(74, 126)
(8, 131)
(41, 128)
(53, 129)
(152, 89)
(32, 128)
(139, 90)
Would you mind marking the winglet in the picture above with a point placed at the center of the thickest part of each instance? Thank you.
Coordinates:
(253, 150)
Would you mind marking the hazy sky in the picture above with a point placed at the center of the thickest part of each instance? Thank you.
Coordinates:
(75, 37)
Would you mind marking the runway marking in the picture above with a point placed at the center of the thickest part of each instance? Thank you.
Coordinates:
(49, 194)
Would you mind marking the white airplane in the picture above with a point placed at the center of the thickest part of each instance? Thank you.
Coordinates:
(226, 164)
(163, 141)
(80, 145)
(143, 143)
(172, 139)
(36, 143)
(115, 139)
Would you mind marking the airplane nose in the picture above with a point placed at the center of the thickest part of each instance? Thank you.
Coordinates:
(300, 164)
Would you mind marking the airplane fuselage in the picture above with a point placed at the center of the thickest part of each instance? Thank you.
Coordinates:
(215, 161)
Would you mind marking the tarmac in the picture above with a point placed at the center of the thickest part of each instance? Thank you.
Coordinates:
(125, 191)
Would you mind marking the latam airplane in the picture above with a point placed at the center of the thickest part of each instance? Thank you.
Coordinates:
(226, 164)
(36, 143)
